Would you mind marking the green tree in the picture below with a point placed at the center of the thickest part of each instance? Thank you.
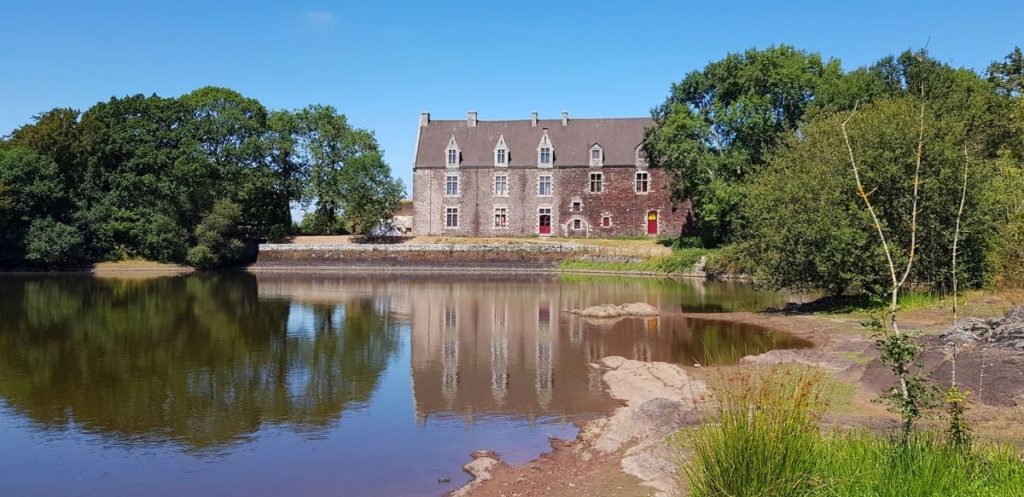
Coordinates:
(51, 244)
(338, 166)
(30, 189)
(217, 242)
(718, 125)
(371, 195)
(1008, 74)
(55, 134)
(808, 228)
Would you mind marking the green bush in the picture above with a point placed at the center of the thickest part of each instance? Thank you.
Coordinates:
(52, 244)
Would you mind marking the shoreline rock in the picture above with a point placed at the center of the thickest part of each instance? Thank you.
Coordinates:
(611, 311)
(1004, 332)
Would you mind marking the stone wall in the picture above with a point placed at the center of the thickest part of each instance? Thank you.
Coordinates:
(419, 255)
(626, 209)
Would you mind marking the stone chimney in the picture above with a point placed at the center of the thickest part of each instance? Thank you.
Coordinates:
(533, 119)
(565, 118)
(471, 118)
(424, 119)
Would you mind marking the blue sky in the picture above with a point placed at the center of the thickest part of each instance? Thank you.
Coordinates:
(383, 62)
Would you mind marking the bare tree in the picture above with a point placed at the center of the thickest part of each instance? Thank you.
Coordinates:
(897, 350)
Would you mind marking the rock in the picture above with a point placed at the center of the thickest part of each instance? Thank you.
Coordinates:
(480, 468)
(1006, 332)
(660, 399)
(608, 311)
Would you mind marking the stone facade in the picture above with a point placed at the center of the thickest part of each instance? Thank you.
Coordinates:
(620, 204)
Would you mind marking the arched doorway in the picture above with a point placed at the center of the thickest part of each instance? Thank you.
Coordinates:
(652, 223)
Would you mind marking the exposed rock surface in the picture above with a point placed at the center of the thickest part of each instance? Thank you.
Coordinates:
(1005, 332)
(484, 461)
(660, 399)
(639, 309)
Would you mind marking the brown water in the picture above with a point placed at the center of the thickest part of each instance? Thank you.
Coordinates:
(235, 384)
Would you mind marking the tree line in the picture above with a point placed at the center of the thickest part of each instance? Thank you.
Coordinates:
(756, 141)
(183, 180)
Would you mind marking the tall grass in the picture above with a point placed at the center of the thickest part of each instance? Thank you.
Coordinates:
(679, 261)
(764, 441)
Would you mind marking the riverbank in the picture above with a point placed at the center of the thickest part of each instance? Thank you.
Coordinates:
(645, 464)
(641, 257)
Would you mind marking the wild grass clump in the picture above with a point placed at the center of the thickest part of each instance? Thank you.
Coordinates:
(764, 441)
(679, 261)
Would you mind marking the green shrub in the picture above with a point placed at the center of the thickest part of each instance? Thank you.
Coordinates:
(52, 244)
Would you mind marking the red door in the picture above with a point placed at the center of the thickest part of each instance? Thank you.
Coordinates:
(652, 223)
(545, 224)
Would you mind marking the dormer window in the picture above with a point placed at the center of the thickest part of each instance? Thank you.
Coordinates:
(452, 153)
(545, 155)
(545, 151)
(501, 152)
(596, 156)
(640, 157)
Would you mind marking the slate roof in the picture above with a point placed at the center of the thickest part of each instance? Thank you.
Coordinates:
(618, 137)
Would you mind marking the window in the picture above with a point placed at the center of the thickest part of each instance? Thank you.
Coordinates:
(501, 152)
(606, 221)
(451, 217)
(596, 183)
(500, 185)
(545, 155)
(544, 185)
(596, 156)
(642, 184)
(577, 224)
(453, 157)
(577, 206)
(641, 157)
(451, 187)
(501, 217)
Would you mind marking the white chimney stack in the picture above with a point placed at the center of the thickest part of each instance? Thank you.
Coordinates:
(471, 118)
(533, 119)
(565, 118)
(424, 119)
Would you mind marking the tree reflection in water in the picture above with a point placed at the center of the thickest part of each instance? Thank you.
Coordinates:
(198, 361)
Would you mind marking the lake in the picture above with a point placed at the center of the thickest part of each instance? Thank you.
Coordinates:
(320, 384)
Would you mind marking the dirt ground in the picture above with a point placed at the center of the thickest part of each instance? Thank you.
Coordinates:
(844, 348)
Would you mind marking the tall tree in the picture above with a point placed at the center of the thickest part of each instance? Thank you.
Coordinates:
(718, 125)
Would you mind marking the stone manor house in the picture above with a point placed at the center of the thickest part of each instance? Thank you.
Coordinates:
(547, 177)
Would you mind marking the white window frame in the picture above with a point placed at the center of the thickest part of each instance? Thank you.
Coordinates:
(599, 161)
(501, 151)
(574, 203)
(448, 211)
(607, 216)
(600, 183)
(540, 184)
(494, 187)
(646, 182)
(577, 224)
(638, 157)
(504, 213)
(545, 150)
(458, 185)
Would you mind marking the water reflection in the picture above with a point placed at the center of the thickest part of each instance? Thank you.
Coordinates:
(200, 361)
(378, 375)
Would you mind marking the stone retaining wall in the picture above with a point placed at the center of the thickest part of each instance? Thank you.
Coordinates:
(418, 255)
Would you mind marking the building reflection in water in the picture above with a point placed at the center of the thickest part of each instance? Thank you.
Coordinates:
(483, 346)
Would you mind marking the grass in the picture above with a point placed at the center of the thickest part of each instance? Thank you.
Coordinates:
(765, 441)
(679, 261)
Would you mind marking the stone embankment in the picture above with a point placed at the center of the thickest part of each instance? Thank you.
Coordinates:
(417, 256)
